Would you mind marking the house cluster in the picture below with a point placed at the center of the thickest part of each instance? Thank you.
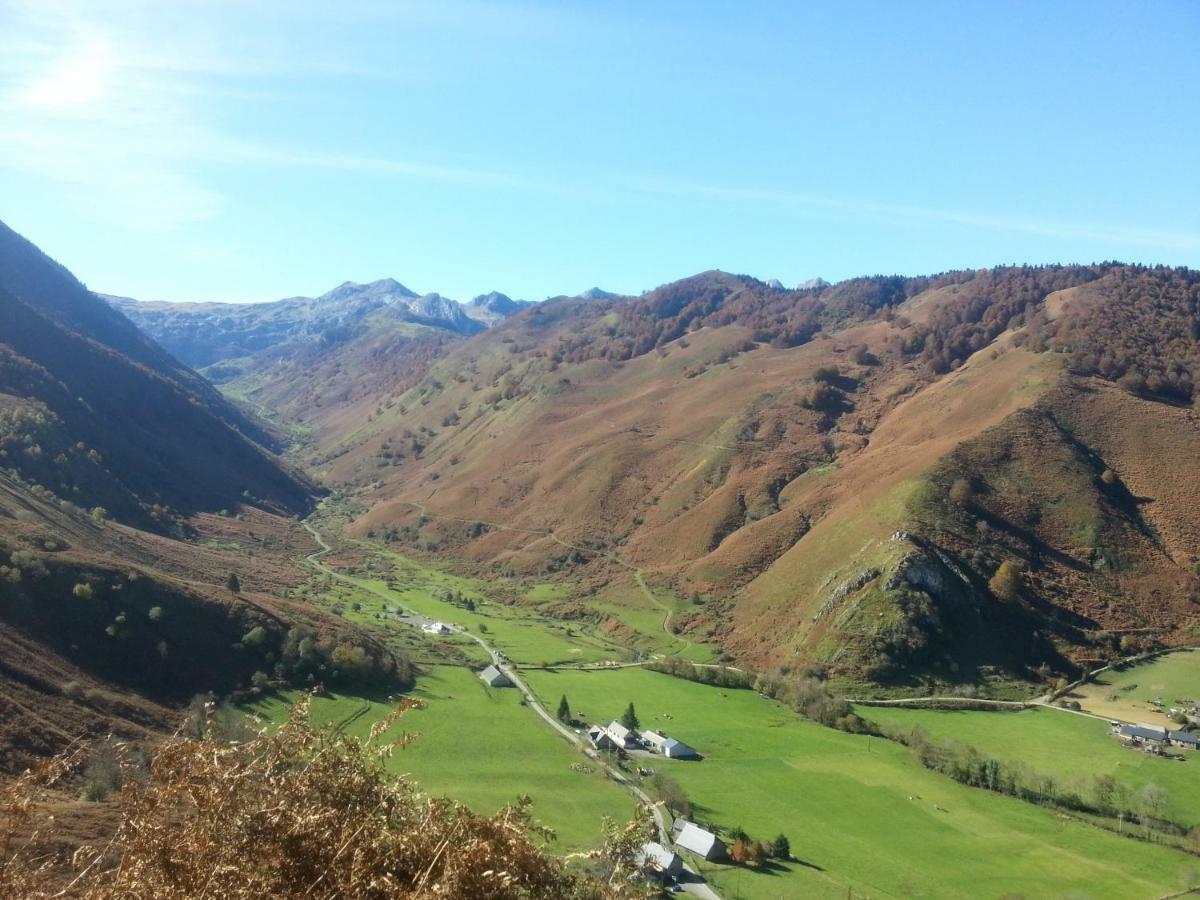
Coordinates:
(1154, 738)
(664, 864)
(615, 736)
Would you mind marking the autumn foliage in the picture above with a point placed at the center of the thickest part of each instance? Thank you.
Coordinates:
(295, 812)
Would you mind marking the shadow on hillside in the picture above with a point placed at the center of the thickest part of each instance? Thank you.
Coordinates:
(1031, 540)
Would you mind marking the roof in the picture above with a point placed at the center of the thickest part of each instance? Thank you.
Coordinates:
(1185, 737)
(678, 747)
(495, 677)
(694, 838)
(654, 737)
(1143, 733)
(619, 731)
(654, 854)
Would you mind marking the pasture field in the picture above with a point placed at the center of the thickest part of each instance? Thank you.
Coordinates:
(861, 813)
(521, 631)
(625, 601)
(1126, 694)
(480, 746)
(1069, 747)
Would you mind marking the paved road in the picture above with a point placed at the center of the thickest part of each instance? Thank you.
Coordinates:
(698, 887)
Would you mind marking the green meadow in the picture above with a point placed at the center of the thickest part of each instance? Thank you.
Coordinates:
(522, 631)
(1069, 747)
(1127, 693)
(861, 813)
(519, 633)
(480, 746)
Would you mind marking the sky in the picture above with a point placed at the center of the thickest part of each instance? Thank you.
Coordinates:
(180, 150)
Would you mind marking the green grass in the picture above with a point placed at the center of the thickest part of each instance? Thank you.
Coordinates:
(862, 810)
(520, 634)
(527, 635)
(523, 634)
(479, 746)
(1127, 694)
(1069, 747)
(627, 602)
(1174, 676)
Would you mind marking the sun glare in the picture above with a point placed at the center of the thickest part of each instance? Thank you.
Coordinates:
(76, 78)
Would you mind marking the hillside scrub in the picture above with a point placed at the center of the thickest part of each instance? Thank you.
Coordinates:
(810, 697)
(297, 811)
(718, 676)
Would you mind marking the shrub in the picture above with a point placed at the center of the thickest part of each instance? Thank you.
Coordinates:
(961, 491)
(255, 637)
(299, 812)
(1006, 583)
(352, 662)
(82, 591)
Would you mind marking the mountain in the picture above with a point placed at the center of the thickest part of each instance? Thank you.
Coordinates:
(973, 475)
(596, 293)
(130, 491)
(101, 416)
(205, 334)
(494, 307)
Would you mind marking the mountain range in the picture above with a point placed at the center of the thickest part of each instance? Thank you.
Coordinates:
(958, 477)
(202, 334)
(970, 476)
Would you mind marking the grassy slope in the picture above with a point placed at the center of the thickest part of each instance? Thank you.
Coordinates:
(1167, 678)
(870, 492)
(1071, 748)
(520, 631)
(863, 810)
(478, 745)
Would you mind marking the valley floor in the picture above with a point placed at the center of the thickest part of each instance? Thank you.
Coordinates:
(863, 816)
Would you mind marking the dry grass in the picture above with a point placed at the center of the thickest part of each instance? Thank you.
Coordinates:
(294, 812)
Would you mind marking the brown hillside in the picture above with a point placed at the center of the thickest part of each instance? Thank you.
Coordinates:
(761, 447)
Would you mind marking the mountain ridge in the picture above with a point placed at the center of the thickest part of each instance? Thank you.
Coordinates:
(203, 334)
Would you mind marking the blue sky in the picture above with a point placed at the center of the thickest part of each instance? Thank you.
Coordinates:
(253, 150)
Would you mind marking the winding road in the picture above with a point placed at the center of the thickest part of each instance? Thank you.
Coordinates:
(697, 886)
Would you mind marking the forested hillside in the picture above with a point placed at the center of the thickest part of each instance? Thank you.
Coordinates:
(147, 546)
(100, 416)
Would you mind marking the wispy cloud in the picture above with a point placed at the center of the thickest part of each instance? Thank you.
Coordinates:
(869, 210)
(118, 101)
(115, 100)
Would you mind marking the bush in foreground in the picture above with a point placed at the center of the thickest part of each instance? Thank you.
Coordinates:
(296, 812)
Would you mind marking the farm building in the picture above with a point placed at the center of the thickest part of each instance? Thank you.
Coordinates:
(1143, 734)
(495, 678)
(1184, 739)
(696, 840)
(674, 749)
(658, 861)
(669, 747)
(622, 736)
(600, 738)
(435, 628)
